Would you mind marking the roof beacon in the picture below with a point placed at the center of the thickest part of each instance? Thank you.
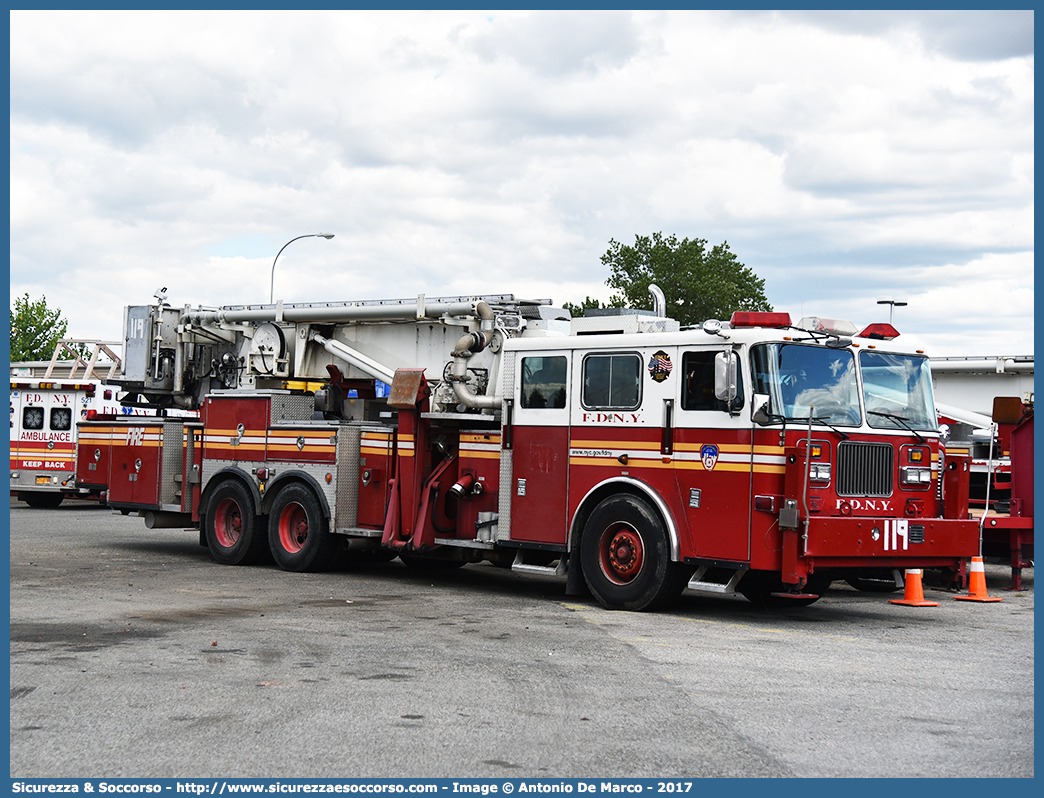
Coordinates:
(880, 331)
(828, 326)
(747, 318)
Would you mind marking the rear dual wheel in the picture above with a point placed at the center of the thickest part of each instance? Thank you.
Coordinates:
(298, 531)
(625, 554)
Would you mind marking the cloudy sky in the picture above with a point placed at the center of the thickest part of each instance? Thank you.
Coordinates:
(844, 156)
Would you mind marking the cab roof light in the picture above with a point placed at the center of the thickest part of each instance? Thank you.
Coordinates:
(880, 331)
(822, 324)
(748, 318)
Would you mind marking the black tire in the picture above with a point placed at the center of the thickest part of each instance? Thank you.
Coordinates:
(758, 586)
(877, 581)
(625, 555)
(298, 531)
(42, 501)
(820, 581)
(233, 530)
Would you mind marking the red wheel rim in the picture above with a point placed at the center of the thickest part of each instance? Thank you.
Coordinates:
(622, 553)
(293, 528)
(228, 523)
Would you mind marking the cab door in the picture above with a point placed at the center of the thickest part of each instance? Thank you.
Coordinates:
(713, 456)
(540, 446)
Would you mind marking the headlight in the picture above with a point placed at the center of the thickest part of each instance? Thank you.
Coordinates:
(819, 472)
(914, 477)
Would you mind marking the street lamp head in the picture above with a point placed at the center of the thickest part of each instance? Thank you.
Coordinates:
(271, 294)
(892, 305)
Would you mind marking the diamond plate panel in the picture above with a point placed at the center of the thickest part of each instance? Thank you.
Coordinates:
(507, 459)
(173, 454)
(347, 507)
(292, 407)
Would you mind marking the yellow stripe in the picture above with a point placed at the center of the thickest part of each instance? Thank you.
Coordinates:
(470, 454)
(224, 447)
(732, 448)
(759, 468)
(292, 447)
(480, 439)
(295, 434)
(696, 465)
(578, 444)
(682, 465)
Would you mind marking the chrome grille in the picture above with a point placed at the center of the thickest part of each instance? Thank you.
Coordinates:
(864, 469)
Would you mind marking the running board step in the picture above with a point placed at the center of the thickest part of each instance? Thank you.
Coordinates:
(545, 570)
(698, 581)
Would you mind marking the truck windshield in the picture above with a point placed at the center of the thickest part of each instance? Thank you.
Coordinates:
(798, 378)
(897, 390)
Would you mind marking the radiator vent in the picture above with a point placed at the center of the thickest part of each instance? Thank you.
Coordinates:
(864, 469)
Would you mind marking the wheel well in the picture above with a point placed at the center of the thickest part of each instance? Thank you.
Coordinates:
(295, 478)
(616, 487)
(220, 478)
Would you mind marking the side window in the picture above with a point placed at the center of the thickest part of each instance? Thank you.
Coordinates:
(61, 419)
(698, 385)
(544, 382)
(612, 381)
(33, 418)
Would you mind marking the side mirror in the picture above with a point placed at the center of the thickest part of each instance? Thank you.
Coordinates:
(759, 412)
(725, 380)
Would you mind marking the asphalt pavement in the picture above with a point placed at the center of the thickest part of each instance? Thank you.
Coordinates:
(134, 655)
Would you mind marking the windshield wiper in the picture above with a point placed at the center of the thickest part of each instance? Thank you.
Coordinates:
(817, 419)
(902, 422)
(825, 423)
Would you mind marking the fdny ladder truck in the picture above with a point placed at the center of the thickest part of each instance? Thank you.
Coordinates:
(633, 457)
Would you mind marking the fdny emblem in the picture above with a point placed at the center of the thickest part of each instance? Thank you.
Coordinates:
(709, 455)
(660, 366)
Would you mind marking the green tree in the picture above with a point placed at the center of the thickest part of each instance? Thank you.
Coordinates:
(698, 283)
(577, 311)
(35, 329)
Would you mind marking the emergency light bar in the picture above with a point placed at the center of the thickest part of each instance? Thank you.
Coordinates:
(828, 326)
(748, 318)
(54, 386)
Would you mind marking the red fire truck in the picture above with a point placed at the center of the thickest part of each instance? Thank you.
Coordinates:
(633, 457)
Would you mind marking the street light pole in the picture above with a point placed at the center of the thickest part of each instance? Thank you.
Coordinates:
(271, 294)
(887, 300)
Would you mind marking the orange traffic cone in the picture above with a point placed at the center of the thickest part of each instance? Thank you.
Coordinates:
(913, 596)
(977, 583)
